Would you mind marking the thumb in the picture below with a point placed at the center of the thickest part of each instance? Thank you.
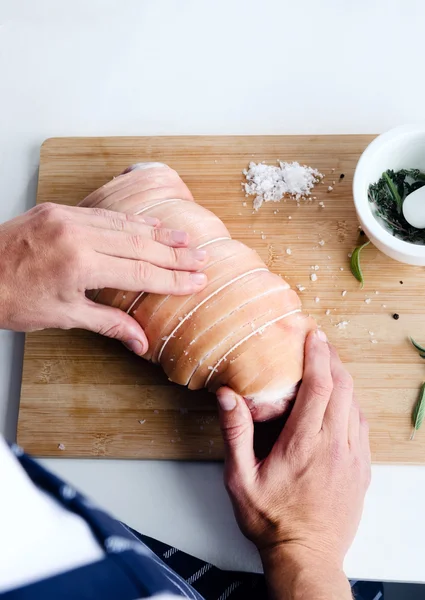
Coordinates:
(237, 428)
(113, 323)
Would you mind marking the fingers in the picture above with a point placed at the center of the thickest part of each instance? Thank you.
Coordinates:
(157, 246)
(237, 429)
(353, 429)
(364, 436)
(340, 410)
(316, 387)
(112, 323)
(136, 275)
(107, 219)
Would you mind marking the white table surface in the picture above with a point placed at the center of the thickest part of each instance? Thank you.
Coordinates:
(134, 67)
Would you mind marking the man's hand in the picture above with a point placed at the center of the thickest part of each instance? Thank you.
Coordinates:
(301, 506)
(52, 254)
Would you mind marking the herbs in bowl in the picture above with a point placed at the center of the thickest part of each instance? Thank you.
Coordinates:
(387, 198)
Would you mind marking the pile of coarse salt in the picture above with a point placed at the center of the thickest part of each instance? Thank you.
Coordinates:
(269, 183)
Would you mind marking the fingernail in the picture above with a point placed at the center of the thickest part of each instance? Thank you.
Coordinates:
(321, 335)
(199, 254)
(226, 400)
(134, 346)
(198, 278)
(179, 237)
(151, 221)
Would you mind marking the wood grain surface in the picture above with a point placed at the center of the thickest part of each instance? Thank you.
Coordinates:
(87, 396)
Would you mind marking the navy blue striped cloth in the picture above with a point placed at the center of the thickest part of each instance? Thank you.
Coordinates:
(136, 566)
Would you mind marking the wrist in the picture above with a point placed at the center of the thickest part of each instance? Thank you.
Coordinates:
(297, 572)
(297, 558)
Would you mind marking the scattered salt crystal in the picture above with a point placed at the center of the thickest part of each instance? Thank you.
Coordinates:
(61, 447)
(384, 306)
(342, 324)
(289, 217)
(317, 299)
(330, 188)
(313, 277)
(275, 212)
(243, 203)
(142, 422)
(316, 267)
(263, 237)
(344, 293)
(269, 183)
(328, 312)
(374, 341)
(376, 292)
(322, 204)
(341, 268)
(371, 333)
(368, 301)
(288, 251)
(322, 243)
(300, 287)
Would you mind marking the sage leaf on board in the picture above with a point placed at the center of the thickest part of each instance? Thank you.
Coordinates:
(355, 264)
(418, 412)
(419, 348)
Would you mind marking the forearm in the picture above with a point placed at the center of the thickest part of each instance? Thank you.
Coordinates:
(300, 575)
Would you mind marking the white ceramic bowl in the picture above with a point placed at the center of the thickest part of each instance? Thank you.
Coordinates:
(400, 148)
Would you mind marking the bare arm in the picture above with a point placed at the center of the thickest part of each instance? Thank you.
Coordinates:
(301, 505)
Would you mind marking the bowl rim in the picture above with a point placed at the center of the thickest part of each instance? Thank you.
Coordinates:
(361, 201)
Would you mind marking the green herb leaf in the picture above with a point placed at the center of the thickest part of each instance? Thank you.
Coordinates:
(355, 265)
(418, 347)
(393, 191)
(418, 412)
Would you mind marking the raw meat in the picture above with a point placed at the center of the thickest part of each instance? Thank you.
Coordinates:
(245, 329)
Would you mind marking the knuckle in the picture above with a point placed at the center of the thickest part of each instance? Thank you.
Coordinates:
(143, 271)
(336, 451)
(111, 330)
(234, 434)
(138, 243)
(344, 382)
(178, 280)
(320, 386)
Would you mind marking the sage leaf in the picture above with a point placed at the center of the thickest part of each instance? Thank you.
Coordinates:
(418, 347)
(393, 191)
(355, 264)
(418, 412)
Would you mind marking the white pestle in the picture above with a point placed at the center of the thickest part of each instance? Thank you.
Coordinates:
(414, 208)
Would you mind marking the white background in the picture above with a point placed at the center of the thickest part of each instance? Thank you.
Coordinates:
(137, 67)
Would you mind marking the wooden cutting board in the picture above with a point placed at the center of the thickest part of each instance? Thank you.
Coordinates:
(87, 396)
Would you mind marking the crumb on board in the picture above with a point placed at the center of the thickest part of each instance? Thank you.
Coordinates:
(342, 324)
(368, 301)
(243, 203)
(61, 446)
(300, 287)
(322, 204)
(288, 251)
(317, 299)
(344, 293)
(374, 341)
(321, 242)
(142, 421)
(341, 268)
(328, 312)
(313, 277)
(371, 333)
(330, 188)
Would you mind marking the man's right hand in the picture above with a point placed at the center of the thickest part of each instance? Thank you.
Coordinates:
(302, 505)
(52, 254)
